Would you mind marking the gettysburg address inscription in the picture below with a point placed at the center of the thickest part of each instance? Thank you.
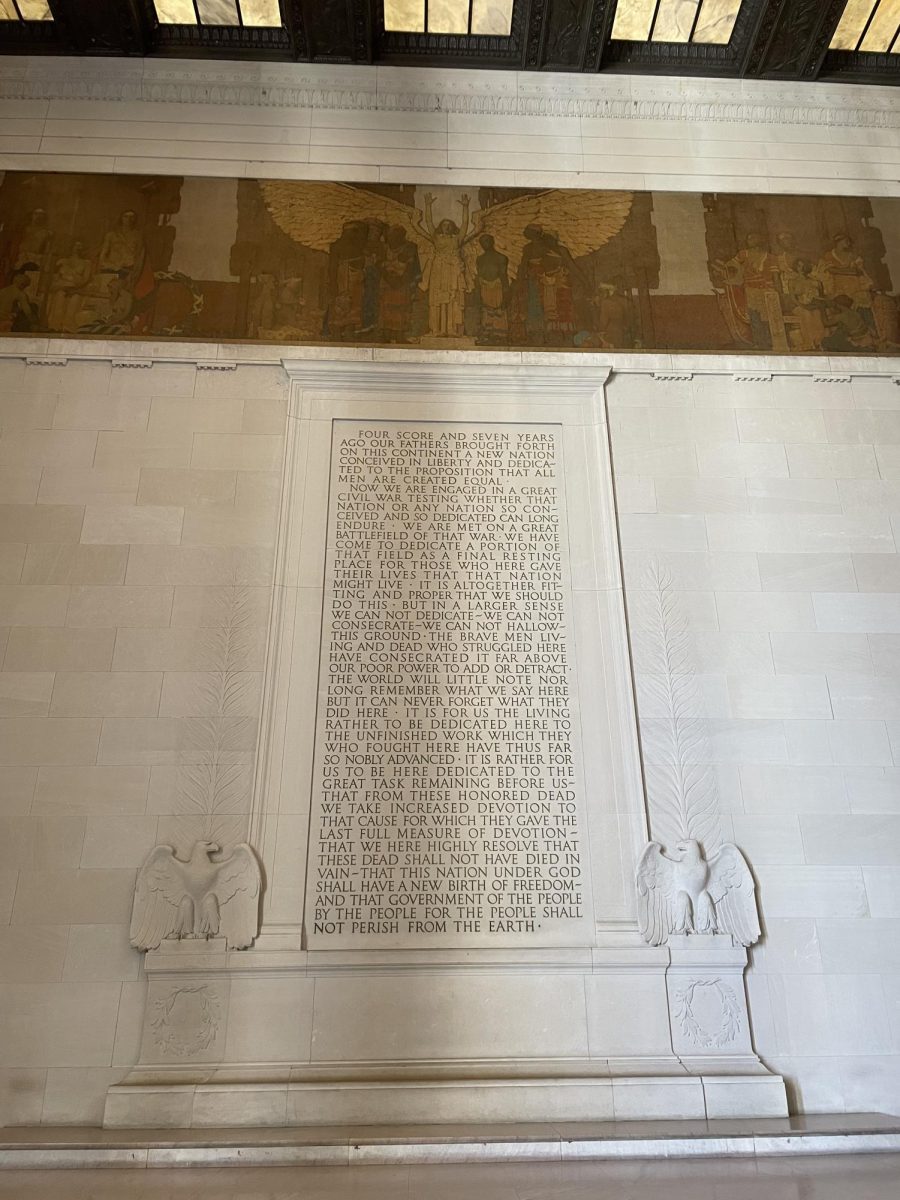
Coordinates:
(446, 793)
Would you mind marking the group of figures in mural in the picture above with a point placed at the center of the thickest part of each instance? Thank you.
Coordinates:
(392, 264)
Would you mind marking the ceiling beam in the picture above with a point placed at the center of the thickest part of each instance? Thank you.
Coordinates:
(792, 38)
(599, 32)
(292, 12)
(117, 27)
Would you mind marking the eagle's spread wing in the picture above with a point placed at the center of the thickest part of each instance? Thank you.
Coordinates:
(314, 214)
(733, 893)
(236, 886)
(583, 221)
(159, 892)
(656, 894)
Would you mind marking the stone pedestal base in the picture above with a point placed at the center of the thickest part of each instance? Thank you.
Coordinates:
(272, 1038)
(224, 1099)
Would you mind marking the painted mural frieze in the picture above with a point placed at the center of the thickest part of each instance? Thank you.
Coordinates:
(385, 264)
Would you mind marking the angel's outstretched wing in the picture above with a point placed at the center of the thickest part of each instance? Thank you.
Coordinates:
(582, 221)
(236, 886)
(314, 214)
(733, 893)
(656, 895)
(157, 896)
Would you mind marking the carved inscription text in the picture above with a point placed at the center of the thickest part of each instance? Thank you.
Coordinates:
(446, 806)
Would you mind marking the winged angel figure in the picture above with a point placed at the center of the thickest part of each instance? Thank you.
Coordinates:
(198, 897)
(377, 246)
(691, 894)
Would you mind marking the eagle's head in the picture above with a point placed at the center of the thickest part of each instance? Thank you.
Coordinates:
(689, 850)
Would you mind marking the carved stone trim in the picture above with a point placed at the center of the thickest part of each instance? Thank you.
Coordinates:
(139, 363)
(419, 377)
(213, 364)
(46, 360)
(282, 85)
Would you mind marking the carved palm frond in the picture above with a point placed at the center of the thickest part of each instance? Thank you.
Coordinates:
(681, 782)
(216, 747)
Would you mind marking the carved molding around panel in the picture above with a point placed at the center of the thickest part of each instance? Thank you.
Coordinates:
(280, 85)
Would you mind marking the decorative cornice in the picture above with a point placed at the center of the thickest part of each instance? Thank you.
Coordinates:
(309, 86)
(468, 377)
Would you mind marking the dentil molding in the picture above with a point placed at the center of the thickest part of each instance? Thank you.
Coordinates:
(321, 363)
(489, 93)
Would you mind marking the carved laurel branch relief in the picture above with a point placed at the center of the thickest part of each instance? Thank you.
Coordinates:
(682, 792)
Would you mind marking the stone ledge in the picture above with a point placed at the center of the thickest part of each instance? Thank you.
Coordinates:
(48, 1148)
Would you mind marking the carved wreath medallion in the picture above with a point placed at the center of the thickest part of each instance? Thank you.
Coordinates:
(700, 1027)
(187, 1020)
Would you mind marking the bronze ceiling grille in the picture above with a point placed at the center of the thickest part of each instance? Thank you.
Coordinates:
(769, 39)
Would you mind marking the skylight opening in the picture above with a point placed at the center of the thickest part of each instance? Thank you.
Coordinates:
(710, 22)
(250, 13)
(485, 18)
(25, 10)
(869, 26)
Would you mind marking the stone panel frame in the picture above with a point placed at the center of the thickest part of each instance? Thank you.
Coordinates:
(503, 1033)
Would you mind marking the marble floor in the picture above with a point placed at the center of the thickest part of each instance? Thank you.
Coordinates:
(844, 1177)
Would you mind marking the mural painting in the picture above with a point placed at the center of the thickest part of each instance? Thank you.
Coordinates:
(298, 262)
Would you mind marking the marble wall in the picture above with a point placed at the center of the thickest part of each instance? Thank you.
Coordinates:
(138, 513)
(140, 510)
(762, 507)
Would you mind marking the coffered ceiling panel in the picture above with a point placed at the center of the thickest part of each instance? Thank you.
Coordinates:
(854, 40)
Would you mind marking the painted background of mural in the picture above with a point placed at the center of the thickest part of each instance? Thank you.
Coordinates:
(294, 261)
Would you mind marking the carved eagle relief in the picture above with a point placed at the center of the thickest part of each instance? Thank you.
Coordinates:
(198, 897)
(691, 894)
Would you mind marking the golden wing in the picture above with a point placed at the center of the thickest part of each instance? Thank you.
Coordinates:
(314, 214)
(583, 221)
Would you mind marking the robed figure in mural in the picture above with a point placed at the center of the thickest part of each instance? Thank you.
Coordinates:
(400, 276)
(752, 295)
(446, 274)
